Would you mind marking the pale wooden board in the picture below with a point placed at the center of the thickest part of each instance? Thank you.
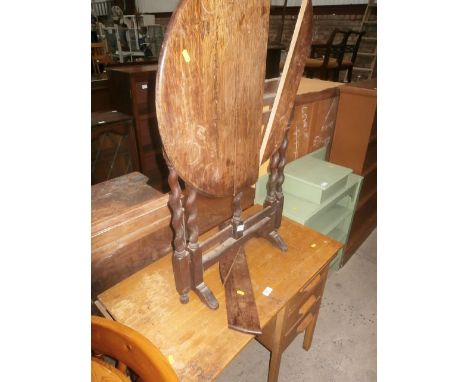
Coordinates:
(197, 338)
(209, 92)
(289, 82)
(311, 85)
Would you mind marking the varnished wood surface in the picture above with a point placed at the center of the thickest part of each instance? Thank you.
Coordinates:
(209, 92)
(242, 310)
(130, 349)
(196, 338)
(289, 82)
(103, 372)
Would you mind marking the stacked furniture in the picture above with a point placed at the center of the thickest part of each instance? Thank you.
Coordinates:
(132, 89)
(319, 195)
(355, 146)
(113, 147)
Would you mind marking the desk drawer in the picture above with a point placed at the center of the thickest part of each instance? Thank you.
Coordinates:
(302, 297)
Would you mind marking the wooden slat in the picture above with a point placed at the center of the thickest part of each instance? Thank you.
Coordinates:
(289, 82)
(240, 300)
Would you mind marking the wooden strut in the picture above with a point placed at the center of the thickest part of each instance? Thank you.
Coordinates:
(191, 258)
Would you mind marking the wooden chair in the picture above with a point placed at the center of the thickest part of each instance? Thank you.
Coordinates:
(99, 56)
(348, 63)
(331, 57)
(130, 350)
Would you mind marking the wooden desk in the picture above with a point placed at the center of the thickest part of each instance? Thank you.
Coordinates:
(197, 340)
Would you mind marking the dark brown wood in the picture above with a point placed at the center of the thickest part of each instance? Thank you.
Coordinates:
(273, 60)
(355, 146)
(209, 92)
(100, 96)
(288, 84)
(113, 146)
(133, 92)
(129, 229)
(180, 259)
(342, 9)
(240, 300)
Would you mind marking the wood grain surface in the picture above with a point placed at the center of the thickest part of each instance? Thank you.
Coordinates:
(196, 338)
(131, 350)
(240, 300)
(209, 92)
(289, 82)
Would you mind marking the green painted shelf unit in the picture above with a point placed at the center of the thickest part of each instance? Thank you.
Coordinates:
(320, 195)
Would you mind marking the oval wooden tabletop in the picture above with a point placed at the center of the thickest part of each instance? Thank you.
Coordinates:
(102, 372)
(209, 91)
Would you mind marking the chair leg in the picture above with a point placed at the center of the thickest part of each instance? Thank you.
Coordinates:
(350, 74)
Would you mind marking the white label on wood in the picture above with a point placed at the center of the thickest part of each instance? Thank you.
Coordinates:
(267, 291)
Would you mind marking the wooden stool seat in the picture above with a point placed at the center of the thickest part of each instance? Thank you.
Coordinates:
(130, 349)
(316, 63)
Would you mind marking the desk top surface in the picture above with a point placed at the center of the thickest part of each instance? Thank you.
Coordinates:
(195, 339)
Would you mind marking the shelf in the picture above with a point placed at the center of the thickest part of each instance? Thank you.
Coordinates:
(326, 221)
(301, 210)
(338, 234)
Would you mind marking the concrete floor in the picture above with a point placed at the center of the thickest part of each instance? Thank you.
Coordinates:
(344, 348)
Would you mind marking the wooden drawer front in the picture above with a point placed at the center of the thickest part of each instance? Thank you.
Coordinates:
(307, 297)
(294, 305)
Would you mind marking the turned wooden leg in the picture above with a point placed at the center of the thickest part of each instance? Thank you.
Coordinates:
(280, 181)
(271, 199)
(196, 266)
(180, 257)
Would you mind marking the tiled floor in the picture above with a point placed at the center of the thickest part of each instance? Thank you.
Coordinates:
(344, 348)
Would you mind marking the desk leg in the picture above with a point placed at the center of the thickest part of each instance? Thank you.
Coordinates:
(277, 350)
(309, 333)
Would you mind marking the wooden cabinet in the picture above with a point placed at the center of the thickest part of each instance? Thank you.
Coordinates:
(133, 92)
(355, 146)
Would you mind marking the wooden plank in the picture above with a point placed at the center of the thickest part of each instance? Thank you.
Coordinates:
(240, 300)
(198, 338)
(209, 92)
(289, 83)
